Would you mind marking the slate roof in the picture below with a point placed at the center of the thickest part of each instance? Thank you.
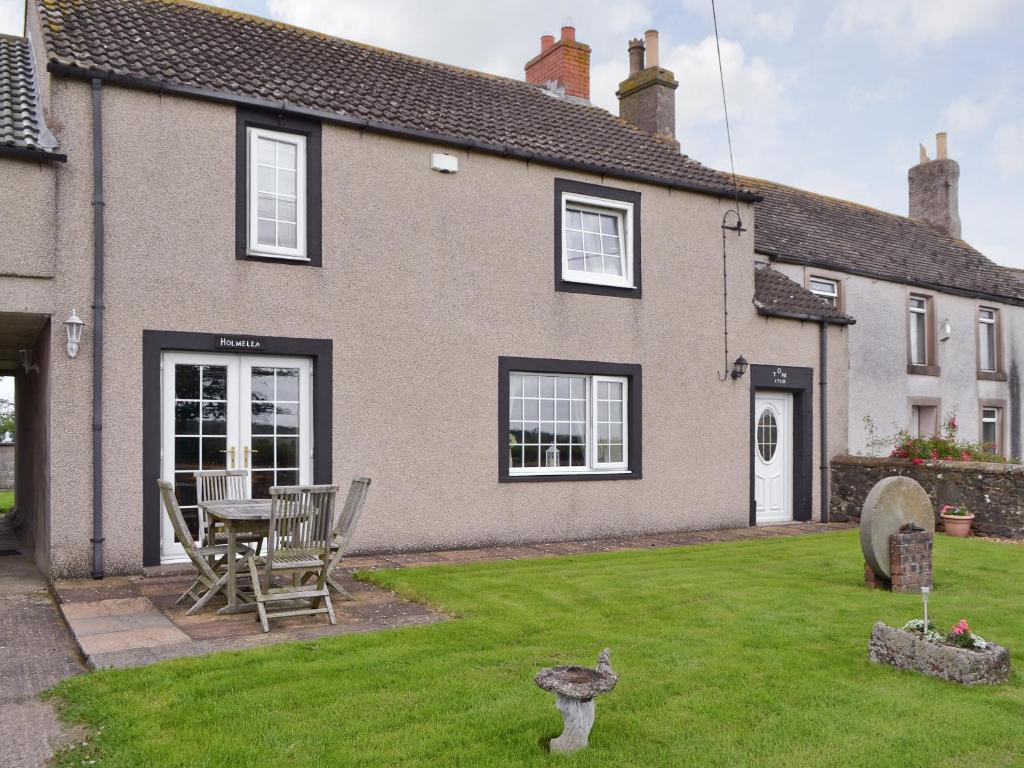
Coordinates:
(188, 44)
(777, 295)
(21, 116)
(807, 228)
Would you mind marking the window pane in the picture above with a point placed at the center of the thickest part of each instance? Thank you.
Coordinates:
(266, 208)
(573, 240)
(612, 265)
(262, 382)
(591, 222)
(262, 452)
(286, 155)
(214, 453)
(592, 243)
(266, 232)
(215, 418)
(610, 225)
(288, 419)
(265, 151)
(186, 453)
(262, 418)
(286, 182)
(265, 179)
(611, 245)
(186, 418)
(516, 410)
(186, 382)
(573, 219)
(531, 384)
(287, 235)
(516, 385)
(547, 410)
(286, 211)
(547, 386)
(287, 452)
(215, 382)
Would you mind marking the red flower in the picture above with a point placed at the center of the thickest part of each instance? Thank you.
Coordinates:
(916, 460)
(935, 453)
(965, 456)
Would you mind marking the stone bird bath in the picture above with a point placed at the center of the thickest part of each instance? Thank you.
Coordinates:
(575, 689)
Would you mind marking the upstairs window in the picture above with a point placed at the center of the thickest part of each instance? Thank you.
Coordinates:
(277, 188)
(826, 289)
(918, 330)
(988, 340)
(277, 193)
(597, 239)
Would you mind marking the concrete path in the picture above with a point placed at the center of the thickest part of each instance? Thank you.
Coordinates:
(36, 651)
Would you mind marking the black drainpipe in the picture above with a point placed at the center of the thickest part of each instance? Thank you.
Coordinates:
(823, 419)
(97, 352)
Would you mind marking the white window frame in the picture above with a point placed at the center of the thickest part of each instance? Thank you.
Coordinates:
(988, 325)
(914, 312)
(916, 414)
(594, 467)
(624, 212)
(831, 297)
(254, 248)
(995, 420)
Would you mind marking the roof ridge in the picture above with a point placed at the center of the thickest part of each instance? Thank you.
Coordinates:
(755, 180)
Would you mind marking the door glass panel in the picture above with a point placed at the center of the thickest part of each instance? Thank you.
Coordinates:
(275, 422)
(200, 426)
(767, 435)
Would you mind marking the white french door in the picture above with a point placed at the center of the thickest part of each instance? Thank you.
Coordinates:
(233, 411)
(773, 456)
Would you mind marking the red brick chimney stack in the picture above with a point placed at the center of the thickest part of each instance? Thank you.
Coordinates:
(566, 62)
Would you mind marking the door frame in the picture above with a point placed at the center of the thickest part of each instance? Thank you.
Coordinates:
(155, 343)
(800, 382)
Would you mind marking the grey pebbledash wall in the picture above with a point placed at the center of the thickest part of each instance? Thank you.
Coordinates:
(993, 492)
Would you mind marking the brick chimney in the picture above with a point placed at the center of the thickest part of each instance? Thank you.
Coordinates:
(933, 184)
(565, 62)
(647, 97)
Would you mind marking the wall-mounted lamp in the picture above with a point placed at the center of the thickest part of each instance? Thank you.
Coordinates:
(25, 356)
(73, 325)
(739, 367)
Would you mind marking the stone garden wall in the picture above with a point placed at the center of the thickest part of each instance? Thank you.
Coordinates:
(6, 465)
(993, 492)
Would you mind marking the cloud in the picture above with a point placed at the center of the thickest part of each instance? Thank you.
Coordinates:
(907, 26)
(749, 18)
(1008, 148)
(12, 17)
(967, 115)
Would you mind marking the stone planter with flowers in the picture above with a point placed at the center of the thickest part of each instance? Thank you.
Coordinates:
(956, 520)
(959, 656)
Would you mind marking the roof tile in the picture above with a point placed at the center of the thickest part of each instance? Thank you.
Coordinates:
(776, 294)
(21, 116)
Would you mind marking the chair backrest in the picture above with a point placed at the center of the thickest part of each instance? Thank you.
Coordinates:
(300, 521)
(181, 531)
(345, 525)
(215, 485)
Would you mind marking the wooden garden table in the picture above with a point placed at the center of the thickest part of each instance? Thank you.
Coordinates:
(239, 515)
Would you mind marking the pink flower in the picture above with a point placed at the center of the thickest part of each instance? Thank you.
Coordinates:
(916, 460)
(961, 627)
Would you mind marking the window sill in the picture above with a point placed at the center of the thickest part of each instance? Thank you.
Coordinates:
(274, 258)
(572, 286)
(617, 474)
(923, 370)
(992, 376)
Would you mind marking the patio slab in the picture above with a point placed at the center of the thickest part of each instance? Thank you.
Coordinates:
(127, 621)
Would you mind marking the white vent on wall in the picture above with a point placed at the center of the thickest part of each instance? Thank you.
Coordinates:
(443, 163)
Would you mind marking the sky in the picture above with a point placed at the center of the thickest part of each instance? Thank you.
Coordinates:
(828, 96)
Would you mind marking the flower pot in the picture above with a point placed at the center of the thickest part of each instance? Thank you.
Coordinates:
(957, 525)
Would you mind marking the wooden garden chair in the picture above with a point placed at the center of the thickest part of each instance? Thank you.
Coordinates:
(298, 543)
(344, 527)
(207, 560)
(216, 485)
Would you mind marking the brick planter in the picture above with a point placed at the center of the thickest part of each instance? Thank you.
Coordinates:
(908, 650)
(910, 555)
(993, 492)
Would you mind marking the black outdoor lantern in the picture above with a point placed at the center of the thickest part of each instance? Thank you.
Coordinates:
(739, 367)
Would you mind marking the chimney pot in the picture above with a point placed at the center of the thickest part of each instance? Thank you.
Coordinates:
(568, 32)
(940, 146)
(636, 56)
(651, 47)
(565, 62)
(546, 41)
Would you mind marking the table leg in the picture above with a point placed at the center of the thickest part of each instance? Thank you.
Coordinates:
(233, 606)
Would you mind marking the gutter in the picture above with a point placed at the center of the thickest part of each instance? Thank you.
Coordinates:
(999, 299)
(98, 205)
(387, 129)
(24, 153)
(769, 312)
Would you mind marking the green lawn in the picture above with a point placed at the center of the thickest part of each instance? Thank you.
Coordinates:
(6, 501)
(744, 654)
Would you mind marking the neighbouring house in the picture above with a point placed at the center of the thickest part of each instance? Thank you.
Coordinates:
(317, 259)
(940, 328)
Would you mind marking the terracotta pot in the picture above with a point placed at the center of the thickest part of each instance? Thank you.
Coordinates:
(957, 525)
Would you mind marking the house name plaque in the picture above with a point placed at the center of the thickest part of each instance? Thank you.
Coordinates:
(239, 342)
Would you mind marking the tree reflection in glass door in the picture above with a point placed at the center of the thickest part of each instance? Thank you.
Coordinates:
(275, 428)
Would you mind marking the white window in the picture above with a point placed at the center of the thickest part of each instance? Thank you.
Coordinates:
(277, 193)
(567, 424)
(826, 289)
(918, 330)
(988, 357)
(990, 428)
(597, 241)
(924, 420)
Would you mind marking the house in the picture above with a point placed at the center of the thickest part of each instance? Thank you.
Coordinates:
(940, 327)
(523, 316)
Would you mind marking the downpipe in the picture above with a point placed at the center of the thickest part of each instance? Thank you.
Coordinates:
(97, 308)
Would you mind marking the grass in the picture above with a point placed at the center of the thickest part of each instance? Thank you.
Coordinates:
(6, 501)
(743, 654)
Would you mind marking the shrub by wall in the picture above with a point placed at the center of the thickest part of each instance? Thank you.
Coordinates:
(993, 492)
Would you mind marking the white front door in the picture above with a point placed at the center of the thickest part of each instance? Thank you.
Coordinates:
(773, 456)
(233, 411)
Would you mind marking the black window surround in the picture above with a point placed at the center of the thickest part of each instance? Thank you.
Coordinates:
(154, 343)
(311, 130)
(568, 186)
(634, 412)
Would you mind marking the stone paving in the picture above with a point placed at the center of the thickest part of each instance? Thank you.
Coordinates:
(36, 652)
(132, 621)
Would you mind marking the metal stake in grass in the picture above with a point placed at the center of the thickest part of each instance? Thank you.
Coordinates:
(924, 599)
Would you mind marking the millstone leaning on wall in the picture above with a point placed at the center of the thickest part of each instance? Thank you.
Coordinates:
(993, 492)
